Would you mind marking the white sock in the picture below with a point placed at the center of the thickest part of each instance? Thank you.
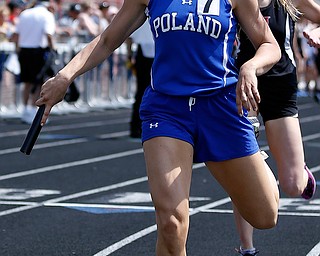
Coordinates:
(244, 251)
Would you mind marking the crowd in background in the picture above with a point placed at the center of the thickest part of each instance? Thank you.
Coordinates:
(81, 20)
(308, 62)
(78, 22)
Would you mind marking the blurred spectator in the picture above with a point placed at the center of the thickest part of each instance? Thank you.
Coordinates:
(143, 60)
(52, 7)
(112, 11)
(82, 21)
(6, 30)
(103, 7)
(298, 54)
(305, 57)
(309, 54)
(108, 12)
(313, 37)
(59, 10)
(96, 15)
(312, 72)
(15, 8)
(87, 27)
(34, 37)
(67, 25)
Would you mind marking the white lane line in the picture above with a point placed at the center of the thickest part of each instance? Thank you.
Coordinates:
(315, 251)
(20, 209)
(315, 169)
(116, 246)
(75, 195)
(129, 239)
(205, 208)
(111, 135)
(83, 193)
(68, 142)
(102, 206)
(45, 145)
(97, 190)
(300, 214)
(116, 206)
(71, 164)
(311, 137)
(308, 119)
(49, 128)
(17, 203)
(304, 139)
(302, 120)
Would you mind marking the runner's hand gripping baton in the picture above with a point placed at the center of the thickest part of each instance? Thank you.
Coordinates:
(33, 132)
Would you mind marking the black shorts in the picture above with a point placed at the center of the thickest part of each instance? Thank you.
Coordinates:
(278, 96)
(31, 62)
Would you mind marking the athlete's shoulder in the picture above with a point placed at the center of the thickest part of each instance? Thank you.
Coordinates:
(242, 5)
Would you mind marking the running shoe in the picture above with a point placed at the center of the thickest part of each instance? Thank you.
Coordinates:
(310, 189)
(243, 253)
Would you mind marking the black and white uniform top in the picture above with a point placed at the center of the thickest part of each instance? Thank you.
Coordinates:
(282, 27)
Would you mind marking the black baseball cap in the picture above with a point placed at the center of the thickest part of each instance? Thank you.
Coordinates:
(104, 5)
(75, 8)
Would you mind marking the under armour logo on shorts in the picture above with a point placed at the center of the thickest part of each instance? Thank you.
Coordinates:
(187, 2)
(153, 125)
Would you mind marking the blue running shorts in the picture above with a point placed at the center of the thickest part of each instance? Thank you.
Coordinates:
(211, 124)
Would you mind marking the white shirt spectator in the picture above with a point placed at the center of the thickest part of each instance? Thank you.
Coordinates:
(144, 37)
(42, 23)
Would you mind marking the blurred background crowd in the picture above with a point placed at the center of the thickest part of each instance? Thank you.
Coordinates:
(112, 84)
(308, 62)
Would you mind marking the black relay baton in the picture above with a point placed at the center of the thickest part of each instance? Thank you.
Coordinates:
(33, 132)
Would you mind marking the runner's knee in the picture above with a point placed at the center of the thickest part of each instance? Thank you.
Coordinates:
(172, 224)
(265, 218)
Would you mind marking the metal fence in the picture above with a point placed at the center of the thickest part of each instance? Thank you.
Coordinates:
(110, 85)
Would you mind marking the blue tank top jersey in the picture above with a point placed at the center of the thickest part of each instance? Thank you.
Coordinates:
(193, 46)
